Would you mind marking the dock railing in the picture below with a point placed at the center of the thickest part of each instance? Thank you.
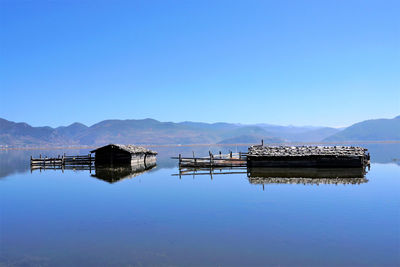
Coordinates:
(219, 160)
(62, 161)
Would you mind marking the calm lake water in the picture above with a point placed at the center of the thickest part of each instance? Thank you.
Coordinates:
(53, 218)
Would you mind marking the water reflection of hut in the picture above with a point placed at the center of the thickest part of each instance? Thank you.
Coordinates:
(115, 154)
(115, 174)
(306, 175)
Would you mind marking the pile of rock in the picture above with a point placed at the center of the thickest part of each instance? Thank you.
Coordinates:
(279, 151)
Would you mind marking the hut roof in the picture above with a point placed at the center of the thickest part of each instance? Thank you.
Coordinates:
(128, 148)
(261, 151)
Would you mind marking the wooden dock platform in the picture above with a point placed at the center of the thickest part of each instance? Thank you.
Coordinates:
(213, 161)
(62, 162)
(307, 156)
(283, 156)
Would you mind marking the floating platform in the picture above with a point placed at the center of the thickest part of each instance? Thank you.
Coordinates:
(284, 157)
(307, 156)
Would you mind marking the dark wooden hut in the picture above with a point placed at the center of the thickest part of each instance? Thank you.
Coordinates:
(115, 154)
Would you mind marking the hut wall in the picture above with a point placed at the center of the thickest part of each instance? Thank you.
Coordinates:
(112, 156)
(143, 159)
(306, 161)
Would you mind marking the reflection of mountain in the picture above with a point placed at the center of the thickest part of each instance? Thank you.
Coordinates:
(306, 175)
(115, 174)
(384, 153)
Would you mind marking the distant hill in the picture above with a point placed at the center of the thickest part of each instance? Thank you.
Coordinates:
(19, 134)
(72, 131)
(146, 131)
(300, 134)
(250, 139)
(150, 131)
(370, 130)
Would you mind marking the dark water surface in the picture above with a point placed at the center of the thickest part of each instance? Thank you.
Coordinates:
(51, 218)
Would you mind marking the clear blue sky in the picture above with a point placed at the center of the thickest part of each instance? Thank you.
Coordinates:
(282, 62)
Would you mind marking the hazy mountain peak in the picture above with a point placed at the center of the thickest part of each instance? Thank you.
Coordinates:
(370, 130)
(151, 131)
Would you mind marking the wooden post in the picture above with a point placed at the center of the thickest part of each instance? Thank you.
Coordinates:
(194, 159)
(180, 159)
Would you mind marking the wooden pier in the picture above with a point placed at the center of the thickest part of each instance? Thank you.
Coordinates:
(213, 161)
(283, 156)
(63, 162)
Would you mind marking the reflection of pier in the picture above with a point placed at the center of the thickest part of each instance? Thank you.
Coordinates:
(88, 167)
(209, 171)
(305, 176)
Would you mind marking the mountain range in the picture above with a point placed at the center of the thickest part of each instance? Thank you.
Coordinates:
(150, 131)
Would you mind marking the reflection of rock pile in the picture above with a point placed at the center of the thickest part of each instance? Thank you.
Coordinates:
(117, 173)
(280, 180)
(306, 175)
